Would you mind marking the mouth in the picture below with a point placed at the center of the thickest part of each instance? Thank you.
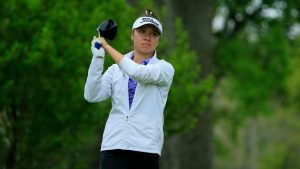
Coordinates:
(145, 44)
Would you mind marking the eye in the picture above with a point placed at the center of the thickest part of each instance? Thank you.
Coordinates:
(141, 30)
(155, 33)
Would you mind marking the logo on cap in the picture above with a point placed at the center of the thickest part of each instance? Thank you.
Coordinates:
(149, 20)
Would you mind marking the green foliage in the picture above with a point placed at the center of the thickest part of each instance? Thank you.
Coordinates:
(258, 65)
(280, 143)
(187, 96)
(45, 56)
(292, 82)
(256, 70)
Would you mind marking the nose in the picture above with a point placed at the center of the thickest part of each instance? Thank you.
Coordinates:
(147, 36)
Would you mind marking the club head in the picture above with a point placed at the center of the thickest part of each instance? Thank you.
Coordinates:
(108, 29)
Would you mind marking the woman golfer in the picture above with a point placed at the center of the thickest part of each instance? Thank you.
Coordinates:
(138, 85)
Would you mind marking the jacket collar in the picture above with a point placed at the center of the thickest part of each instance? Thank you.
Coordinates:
(153, 60)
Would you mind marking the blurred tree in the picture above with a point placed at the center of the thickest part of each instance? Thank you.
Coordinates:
(45, 122)
(253, 55)
(44, 119)
(196, 20)
(292, 82)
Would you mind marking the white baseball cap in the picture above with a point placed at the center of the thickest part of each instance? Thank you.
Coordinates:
(145, 20)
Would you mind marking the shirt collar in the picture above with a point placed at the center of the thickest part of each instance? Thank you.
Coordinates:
(152, 60)
(144, 62)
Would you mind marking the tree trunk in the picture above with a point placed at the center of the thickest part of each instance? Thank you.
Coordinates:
(193, 150)
(10, 161)
(251, 142)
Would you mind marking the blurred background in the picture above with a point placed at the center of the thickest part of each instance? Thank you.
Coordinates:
(234, 102)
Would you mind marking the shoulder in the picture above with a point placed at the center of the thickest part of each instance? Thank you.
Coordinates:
(113, 68)
(165, 64)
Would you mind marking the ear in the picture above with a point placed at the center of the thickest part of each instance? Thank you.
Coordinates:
(131, 37)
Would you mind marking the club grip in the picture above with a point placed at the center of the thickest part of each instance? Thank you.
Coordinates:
(97, 45)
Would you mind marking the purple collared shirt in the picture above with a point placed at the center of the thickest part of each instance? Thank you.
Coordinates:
(132, 83)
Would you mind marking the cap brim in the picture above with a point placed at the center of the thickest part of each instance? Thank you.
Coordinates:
(141, 21)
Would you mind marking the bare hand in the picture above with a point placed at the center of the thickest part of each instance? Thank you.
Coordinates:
(103, 41)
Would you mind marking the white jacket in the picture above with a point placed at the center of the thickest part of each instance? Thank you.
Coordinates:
(141, 127)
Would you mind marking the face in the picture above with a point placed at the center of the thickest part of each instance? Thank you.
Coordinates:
(145, 39)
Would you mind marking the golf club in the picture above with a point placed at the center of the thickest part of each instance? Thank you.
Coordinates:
(107, 29)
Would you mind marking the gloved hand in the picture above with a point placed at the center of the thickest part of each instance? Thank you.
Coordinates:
(100, 53)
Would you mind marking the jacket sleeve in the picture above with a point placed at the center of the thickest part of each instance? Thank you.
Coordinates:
(98, 86)
(160, 73)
